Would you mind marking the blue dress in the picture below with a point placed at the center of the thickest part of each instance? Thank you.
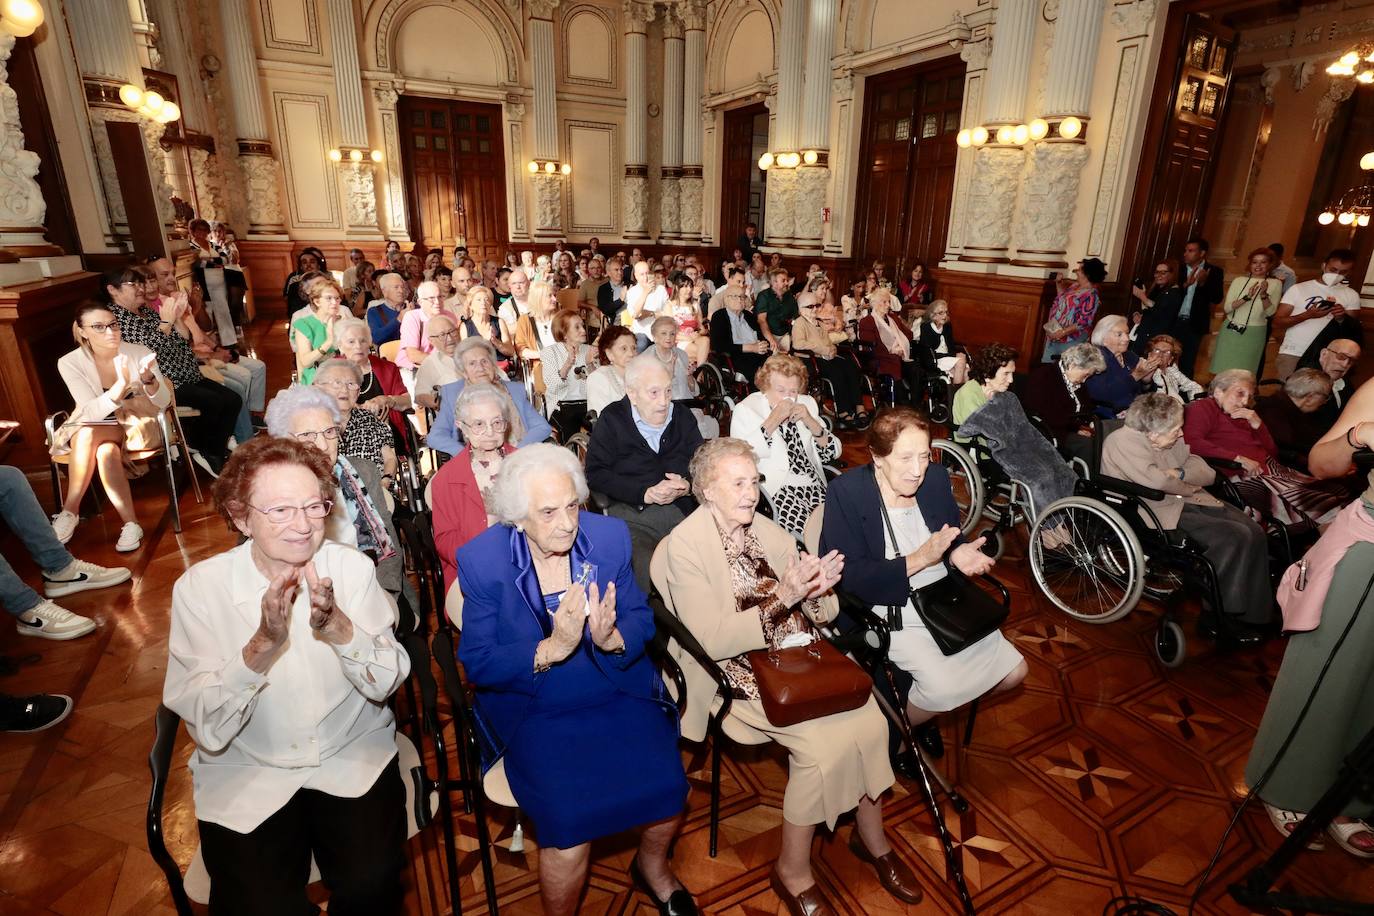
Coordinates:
(590, 746)
(1114, 388)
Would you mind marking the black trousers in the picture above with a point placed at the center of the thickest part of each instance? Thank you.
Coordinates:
(912, 387)
(358, 843)
(843, 375)
(219, 409)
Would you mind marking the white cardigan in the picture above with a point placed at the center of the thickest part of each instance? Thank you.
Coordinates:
(746, 422)
(91, 400)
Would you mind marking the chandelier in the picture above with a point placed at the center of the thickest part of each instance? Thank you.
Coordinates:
(1357, 62)
(1354, 207)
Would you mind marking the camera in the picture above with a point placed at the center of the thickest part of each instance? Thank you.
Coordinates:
(580, 371)
(1238, 328)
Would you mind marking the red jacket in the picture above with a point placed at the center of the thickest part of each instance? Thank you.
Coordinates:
(1212, 434)
(459, 514)
(888, 363)
(389, 378)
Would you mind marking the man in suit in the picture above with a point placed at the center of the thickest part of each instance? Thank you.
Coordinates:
(477, 362)
(748, 243)
(638, 455)
(1202, 289)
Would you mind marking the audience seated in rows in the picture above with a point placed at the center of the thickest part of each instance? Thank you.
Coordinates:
(476, 360)
(382, 392)
(438, 369)
(810, 338)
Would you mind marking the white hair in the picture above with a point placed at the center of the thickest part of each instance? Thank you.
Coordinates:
(282, 409)
(510, 498)
(471, 395)
(343, 325)
(1104, 327)
(339, 363)
(641, 364)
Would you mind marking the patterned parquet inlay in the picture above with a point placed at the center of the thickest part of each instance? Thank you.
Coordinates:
(1106, 774)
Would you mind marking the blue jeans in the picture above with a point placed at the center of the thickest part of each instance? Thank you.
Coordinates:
(244, 382)
(25, 517)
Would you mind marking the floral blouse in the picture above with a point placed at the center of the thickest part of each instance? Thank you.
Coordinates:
(1076, 308)
(755, 587)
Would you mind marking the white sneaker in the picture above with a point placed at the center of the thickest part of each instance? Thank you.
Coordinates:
(49, 621)
(130, 537)
(204, 464)
(64, 525)
(80, 576)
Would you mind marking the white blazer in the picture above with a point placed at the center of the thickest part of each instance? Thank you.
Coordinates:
(746, 422)
(91, 402)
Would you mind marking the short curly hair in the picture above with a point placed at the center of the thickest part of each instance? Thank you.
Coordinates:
(988, 360)
(888, 426)
(780, 364)
(321, 284)
(234, 488)
(702, 468)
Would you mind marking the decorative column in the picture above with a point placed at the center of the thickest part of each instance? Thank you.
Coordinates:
(360, 191)
(22, 207)
(396, 226)
(513, 113)
(103, 36)
(693, 84)
(975, 56)
(636, 186)
(845, 150)
(782, 183)
(1049, 191)
(670, 173)
(813, 175)
(261, 171)
(548, 185)
(997, 169)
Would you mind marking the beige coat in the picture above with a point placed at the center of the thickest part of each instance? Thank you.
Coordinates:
(1129, 455)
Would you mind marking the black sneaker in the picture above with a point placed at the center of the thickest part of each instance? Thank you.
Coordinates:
(33, 714)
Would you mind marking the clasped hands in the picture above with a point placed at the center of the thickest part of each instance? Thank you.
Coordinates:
(127, 370)
(327, 620)
(668, 490)
(573, 611)
(809, 576)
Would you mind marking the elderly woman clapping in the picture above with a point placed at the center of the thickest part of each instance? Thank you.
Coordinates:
(1114, 388)
(1149, 450)
(281, 657)
(554, 637)
(737, 582)
(365, 437)
(381, 391)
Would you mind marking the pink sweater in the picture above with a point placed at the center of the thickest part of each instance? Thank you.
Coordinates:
(1302, 610)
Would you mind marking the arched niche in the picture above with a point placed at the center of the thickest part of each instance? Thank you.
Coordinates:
(588, 45)
(742, 46)
(469, 30)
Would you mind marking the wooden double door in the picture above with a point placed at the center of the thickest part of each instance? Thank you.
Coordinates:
(455, 171)
(907, 161)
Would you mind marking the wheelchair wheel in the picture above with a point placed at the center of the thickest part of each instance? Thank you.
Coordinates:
(1087, 560)
(996, 543)
(1171, 646)
(964, 479)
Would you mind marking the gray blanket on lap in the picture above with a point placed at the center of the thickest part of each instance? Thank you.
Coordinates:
(1020, 449)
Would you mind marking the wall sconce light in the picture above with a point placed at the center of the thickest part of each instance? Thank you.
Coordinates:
(766, 161)
(375, 155)
(1020, 135)
(335, 155)
(964, 138)
(810, 157)
(354, 154)
(565, 168)
(1004, 135)
(1039, 129)
(979, 136)
(1070, 128)
(549, 167)
(20, 18)
(149, 104)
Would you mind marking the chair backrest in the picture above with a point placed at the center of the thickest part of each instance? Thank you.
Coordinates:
(567, 300)
(166, 725)
(389, 350)
(811, 531)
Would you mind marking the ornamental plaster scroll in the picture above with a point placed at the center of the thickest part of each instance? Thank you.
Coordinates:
(1337, 91)
(781, 191)
(21, 199)
(1114, 150)
(636, 201)
(669, 207)
(360, 195)
(1134, 19)
(1268, 81)
(1303, 71)
(689, 207)
(542, 9)
(808, 221)
(207, 171)
(157, 168)
(1049, 194)
(638, 14)
(261, 173)
(693, 13)
(548, 202)
(673, 26)
(992, 196)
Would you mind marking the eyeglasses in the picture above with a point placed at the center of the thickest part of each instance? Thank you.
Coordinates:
(1343, 358)
(443, 335)
(282, 515)
(340, 383)
(1162, 351)
(481, 426)
(330, 433)
(101, 327)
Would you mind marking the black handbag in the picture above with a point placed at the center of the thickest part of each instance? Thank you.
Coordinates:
(956, 612)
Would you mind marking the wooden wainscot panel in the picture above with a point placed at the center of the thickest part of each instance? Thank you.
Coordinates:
(35, 330)
(267, 264)
(994, 309)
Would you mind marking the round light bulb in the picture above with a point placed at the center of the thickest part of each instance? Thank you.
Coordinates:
(1070, 128)
(979, 136)
(964, 138)
(1004, 134)
(1367, 161)
(533, 166)
(810, 157)
(566, 169)
(1039, 129)
(22, 17)
(152, 103)
(171, 111)
(1326, 218)
(1366, 77)
(375, 155)
(1362, 220)
(549, 167)
(1021, 135)
(131, 95)
(1345, 219)
(766, 161)
(1350, 58)
(335, 156)
(355, 155)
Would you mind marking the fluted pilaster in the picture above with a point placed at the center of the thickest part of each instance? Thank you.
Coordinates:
(1009, 69)
(348, 83)
(791, 51)
(241, 66)
(820, 42)
(103, 36)
(545, 89)
(1069, 83)
(635, 189)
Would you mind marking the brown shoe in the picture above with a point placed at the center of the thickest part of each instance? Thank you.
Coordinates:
(810, 902)
(893, 874)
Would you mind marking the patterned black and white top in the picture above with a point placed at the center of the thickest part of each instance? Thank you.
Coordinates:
(364, 437)
(175, 358)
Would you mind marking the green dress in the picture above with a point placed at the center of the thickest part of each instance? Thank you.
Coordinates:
(1236, 350)
(967, 399)
(314, 331)
(1343, 711)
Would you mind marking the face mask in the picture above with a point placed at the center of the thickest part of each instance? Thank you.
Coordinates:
(1332, 279)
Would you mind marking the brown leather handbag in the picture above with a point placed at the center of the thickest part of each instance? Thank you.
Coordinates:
(808, 682)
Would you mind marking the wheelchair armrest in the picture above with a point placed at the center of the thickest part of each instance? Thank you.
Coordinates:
(166, 726)
(1363, 459)
(1223, 464)
(600, 500)
(876, 634)
(1127, 488)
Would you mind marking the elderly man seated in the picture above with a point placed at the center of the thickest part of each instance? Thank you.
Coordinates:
(1337, 360)
(638, 455)
(476, 361)
(1293, 415)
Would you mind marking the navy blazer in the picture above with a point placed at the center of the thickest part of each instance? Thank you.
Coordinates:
(853, 525)
(504, 620)
(620, 463)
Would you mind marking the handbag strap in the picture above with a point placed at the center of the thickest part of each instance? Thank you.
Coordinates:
(894, 613)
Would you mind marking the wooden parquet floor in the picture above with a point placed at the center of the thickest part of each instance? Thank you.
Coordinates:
(1106, 774)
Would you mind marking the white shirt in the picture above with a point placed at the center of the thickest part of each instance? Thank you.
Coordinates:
(511, 310)
(318, 719)
(1310, 294)
(438, 369)
(604, 386)
(655, 304)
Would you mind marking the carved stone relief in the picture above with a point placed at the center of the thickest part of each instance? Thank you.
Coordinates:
(689, 208)
(668, 207)
(636, 191)
(262, 175)
(21, 199)
(360, 196)
(992, 197)
(1049, 194)
(548, 203)
(808, 221)
(1336, 92)
(1135, 18)
(208, 175)
(782, 192)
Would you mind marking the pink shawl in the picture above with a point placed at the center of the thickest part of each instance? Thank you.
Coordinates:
(1302, 610)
